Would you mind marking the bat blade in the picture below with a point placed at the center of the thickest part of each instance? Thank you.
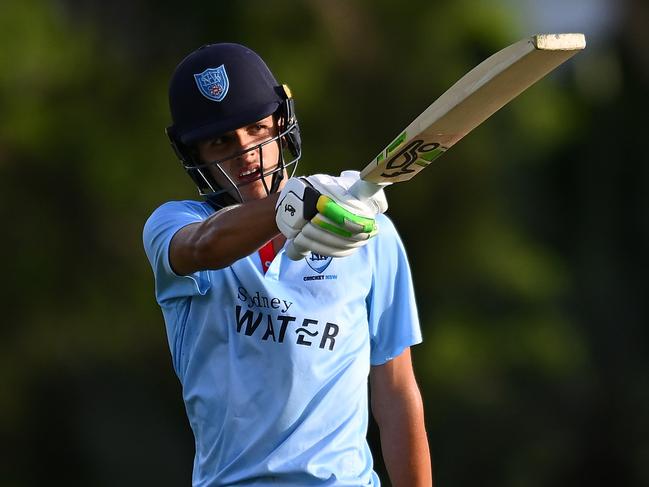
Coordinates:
(465, 105)
(469, 102)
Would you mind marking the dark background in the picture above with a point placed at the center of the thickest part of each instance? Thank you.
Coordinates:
(527, 240)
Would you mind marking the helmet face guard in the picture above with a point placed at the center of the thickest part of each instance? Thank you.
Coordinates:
(227, 192)
(220, 88)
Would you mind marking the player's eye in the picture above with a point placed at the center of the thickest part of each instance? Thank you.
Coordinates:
(259, 127)
(217, 141)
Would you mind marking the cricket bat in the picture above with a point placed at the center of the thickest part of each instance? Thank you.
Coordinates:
(465, 105)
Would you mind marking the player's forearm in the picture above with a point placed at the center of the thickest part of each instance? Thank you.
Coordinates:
(404, 443)
(225, 237)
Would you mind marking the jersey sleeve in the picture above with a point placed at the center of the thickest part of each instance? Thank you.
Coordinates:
(392, 310)
(159, 229)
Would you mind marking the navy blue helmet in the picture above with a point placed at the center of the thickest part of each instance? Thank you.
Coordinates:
(217, 89)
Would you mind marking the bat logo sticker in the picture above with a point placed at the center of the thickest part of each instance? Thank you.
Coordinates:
(416, 149)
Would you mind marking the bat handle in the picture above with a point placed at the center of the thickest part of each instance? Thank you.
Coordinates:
(363, 190)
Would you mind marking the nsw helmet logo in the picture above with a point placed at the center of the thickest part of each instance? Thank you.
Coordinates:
(213, 83)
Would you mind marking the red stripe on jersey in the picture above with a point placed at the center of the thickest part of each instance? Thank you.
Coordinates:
(266, 254)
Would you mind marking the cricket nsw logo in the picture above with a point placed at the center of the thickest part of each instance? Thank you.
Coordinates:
(318, 262)
(213, 83)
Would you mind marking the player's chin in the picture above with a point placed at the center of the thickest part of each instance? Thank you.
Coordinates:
(254, 191)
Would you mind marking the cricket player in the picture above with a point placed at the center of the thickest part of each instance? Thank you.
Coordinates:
(275, 355)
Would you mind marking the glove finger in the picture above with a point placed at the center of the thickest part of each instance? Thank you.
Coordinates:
(317, 234)
(345, 219)
(326, 225)
(320, 248)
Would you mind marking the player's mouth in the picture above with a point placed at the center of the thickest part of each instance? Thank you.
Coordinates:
(249, 174)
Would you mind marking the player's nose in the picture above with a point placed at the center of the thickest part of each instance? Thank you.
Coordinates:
(243, 139)
(246, 144)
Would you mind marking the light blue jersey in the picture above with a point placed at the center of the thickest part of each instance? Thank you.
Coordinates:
(274, 367)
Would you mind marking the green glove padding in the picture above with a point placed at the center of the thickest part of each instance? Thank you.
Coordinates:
(347, 223)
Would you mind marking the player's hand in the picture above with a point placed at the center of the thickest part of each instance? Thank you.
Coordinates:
(338, 189)
(321, 215)
(343, 222)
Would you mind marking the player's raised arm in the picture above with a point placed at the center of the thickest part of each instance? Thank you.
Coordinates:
(225, 237)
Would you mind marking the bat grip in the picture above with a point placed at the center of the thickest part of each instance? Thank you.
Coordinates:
(360, 189)
(364, 190)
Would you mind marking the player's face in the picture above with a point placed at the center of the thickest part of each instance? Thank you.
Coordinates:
(244, 169)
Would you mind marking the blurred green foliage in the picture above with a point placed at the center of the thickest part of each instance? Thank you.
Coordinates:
(527, 240)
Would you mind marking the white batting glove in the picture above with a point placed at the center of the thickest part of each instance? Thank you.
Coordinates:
(296, 206)
(338, 189)
(320, 214)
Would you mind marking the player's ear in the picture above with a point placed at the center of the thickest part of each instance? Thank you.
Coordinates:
(279, 126)
(278, 120)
